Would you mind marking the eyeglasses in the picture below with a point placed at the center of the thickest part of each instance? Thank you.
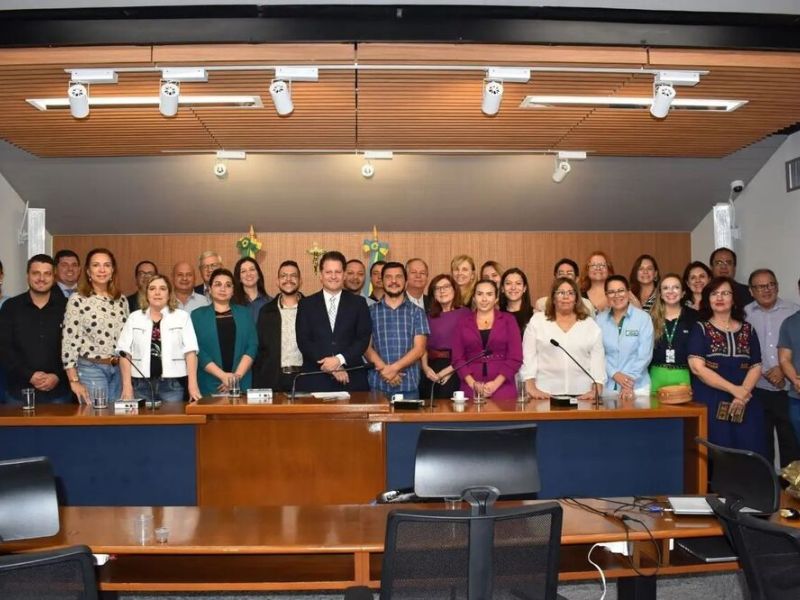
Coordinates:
(721, 294)
(598, 266)
(723, 263)
(443, 288)
(619, 292)
(210, 267)
(765, 287)
(565, 293)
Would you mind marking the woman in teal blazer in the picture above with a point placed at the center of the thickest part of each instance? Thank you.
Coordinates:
(226, 337)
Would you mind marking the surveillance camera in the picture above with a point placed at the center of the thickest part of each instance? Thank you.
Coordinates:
(737, 186)
(220, 169)
(367, 171)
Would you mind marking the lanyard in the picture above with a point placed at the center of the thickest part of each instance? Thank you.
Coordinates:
(619, 327)
(670, 335)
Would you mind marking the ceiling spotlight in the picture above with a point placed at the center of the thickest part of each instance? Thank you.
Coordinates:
(281, 97)
(220, 169)
(492, 96)
(78, 94)
(663, 95)
(561, 171)
(168, 98)
(367, 170)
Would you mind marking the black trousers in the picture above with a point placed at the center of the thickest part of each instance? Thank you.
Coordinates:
(776, 419)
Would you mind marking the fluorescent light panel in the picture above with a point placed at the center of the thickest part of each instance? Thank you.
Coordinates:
(129, 101)
(629, 102)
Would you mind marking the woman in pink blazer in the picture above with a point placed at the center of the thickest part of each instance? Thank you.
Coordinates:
(496, 333)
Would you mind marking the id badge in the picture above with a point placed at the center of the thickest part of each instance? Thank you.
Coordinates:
(670, 357)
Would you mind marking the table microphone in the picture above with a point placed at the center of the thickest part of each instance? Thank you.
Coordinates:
(481, 354)
(366, 366)
(580, 366)
(155, 402)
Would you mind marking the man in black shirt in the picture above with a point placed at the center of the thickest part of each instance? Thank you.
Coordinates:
(723, 264)
(30, 336)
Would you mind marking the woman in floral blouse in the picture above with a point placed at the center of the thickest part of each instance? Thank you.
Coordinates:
(92, 323)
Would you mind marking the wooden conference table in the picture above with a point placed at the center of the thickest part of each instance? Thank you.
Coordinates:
(328, 547)
(225, 452)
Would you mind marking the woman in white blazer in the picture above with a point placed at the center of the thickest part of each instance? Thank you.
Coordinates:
(161, 342)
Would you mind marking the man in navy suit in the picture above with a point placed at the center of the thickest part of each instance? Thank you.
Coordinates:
(333, 332)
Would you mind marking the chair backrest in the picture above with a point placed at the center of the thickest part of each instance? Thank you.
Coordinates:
(65, 574)
(450, 460)
(509, 553)
(743, 477)
(28, 500)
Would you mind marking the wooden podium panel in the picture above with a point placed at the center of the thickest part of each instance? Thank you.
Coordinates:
(304, 452)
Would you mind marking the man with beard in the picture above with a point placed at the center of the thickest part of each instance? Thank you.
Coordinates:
(279, 358)
(30, 336)
(399, 333)
(354, 274)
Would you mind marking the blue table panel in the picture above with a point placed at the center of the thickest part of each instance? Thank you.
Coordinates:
(577, 458)
(113, 466)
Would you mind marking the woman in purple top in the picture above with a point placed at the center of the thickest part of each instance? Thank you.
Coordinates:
(495, 333)
(444, 314)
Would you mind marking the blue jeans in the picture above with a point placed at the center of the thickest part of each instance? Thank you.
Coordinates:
(99, 375)
(168, 389)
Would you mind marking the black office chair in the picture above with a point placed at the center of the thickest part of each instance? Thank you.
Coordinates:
(28, 501)
(508, 553)
(64, 574)
(768, 553)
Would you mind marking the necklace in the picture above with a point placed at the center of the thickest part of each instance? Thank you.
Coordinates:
(718, 325)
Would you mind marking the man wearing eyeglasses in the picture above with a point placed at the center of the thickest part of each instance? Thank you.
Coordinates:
(279, 358)
(723, 264)
(766, 314)
(208, 262)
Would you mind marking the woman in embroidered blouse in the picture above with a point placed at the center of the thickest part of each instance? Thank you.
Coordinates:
(696, 276)
(93, 321)
(496, 333)
(160, 341)
(597, 269)
(644, 282)
(672, 324)
(248, 288)
(462, 268)
(226, 337)
(445, 312)
(546, 369)
(725, 359)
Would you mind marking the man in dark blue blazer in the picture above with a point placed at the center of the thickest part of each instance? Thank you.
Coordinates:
(333, 331)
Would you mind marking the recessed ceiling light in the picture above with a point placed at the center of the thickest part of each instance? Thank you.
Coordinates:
(629, 102)
(132, 101)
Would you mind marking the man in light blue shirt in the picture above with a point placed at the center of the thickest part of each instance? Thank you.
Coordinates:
(628, 341)
(766, 314)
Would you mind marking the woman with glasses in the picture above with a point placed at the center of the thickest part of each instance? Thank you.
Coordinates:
(672, 323)
(496, 334)
(644, 282)
(248, 286)
(462, 268)
(696, 276)
(546, 368)
(515, 298)
(226, 337)
(627, 340)
(725, 359)
(597, 269)
(443, 316)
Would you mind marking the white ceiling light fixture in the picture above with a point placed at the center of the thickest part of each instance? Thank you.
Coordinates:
(367, 169)
(563, 167)
(630, 102)
(493, 86)
(169, 92)
(78, 89)
(664, 89)
(137, 101)
(280, 89)
(220, 164)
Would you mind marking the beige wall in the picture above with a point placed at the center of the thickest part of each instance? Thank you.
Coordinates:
(534, 251)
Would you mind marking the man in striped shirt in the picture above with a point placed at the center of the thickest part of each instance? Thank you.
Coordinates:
(399, 332)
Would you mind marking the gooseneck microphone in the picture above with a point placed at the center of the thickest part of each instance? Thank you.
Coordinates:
(363, 366)
(154, 402)
(470, 360)
(580, 366)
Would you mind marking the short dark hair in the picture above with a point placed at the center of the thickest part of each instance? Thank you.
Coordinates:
(332, 255)
(289, 263)
(66, 253)
(394, 265)
(758, 272)
(571, 263)
(42, 258)
(619, 278)
(354, 260)
(144, 262)
(375, 264)
(721, 249)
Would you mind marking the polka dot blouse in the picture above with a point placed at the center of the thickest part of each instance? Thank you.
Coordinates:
(91, 327)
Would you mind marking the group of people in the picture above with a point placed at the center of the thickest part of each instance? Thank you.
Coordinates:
(473, 329)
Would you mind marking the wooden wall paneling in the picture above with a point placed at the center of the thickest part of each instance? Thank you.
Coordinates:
(117, 56)
(284, 54)
(533, 251)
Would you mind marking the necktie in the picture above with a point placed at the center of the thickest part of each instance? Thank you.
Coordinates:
(332, 311)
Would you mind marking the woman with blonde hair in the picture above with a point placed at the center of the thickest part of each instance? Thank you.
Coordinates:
(93, 321)
(462, 268)
(672, 324)
(597, 269)
(161, 343)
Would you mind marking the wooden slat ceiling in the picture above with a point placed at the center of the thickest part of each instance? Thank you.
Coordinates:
(399, 110)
